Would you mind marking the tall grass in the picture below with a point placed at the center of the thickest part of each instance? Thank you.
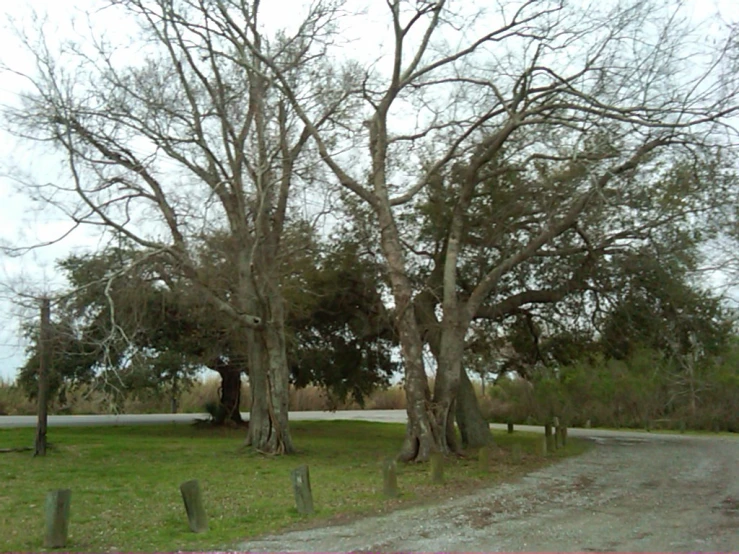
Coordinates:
(86, 400)
(13, 401)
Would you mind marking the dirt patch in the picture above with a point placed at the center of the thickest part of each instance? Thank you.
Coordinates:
(631, 495)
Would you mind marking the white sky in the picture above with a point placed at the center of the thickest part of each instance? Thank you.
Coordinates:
(21, 223)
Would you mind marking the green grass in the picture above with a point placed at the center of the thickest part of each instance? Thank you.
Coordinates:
(125, 482)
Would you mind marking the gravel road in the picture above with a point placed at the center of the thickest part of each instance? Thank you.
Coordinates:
(629, 493)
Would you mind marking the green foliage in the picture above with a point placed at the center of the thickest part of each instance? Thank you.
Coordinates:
(131, 327)
(656, 307)
(342, 337)
(124, 329)
(611, 392)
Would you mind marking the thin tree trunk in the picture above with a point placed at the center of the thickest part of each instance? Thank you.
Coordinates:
(43, 377)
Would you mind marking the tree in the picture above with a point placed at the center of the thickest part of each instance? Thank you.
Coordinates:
(341, 334)
(570, 112)
(487, 88)
(120, 329)
(181, 134)
(658, 309)
(338, 334)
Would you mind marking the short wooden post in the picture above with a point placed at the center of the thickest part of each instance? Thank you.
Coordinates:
(516, 453)
(510, 427)
(547, 430)
(483, 458)
(57, 518)
(390, 478)
(193, 499)
(558, 437)
(544, 446)
(301, 485)
(437, 468)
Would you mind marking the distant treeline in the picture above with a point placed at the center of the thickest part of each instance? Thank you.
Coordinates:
(643, 390)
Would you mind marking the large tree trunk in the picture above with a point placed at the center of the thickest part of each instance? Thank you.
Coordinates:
(473, 427)
(230, 396)
(269, 430)
(449, 366)
(423, 436)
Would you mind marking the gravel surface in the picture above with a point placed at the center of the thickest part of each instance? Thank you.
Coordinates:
(629, 493)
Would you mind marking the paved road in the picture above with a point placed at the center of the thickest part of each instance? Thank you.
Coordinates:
(390, 416)
(384, 416)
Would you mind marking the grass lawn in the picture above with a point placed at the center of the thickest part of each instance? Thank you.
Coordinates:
(125, 481)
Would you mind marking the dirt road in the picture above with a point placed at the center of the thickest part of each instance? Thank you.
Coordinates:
(629, 493)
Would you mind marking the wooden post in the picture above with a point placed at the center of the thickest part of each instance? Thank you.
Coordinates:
(483, 458)
(437, 468)
(57, 518)
(558, 437)
(193, 498)
(43, 377)
(390, 478)
(510, 427)
(544, 447)
(301, 485)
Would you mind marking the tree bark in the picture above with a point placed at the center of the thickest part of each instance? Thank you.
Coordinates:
(446, 386)
(230, 396)
(473, 427)
(43, 378)
(423, 436)
(269, 430)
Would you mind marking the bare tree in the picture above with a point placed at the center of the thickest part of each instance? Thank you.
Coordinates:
(614, 91)
(586, 104)
(181, 134)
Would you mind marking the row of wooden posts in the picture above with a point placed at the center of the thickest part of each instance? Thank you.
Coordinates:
(58, 501)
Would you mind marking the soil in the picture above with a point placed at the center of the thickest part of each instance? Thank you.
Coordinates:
(628, 493)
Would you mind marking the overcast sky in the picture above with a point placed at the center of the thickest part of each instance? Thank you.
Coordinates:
(22, 224)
